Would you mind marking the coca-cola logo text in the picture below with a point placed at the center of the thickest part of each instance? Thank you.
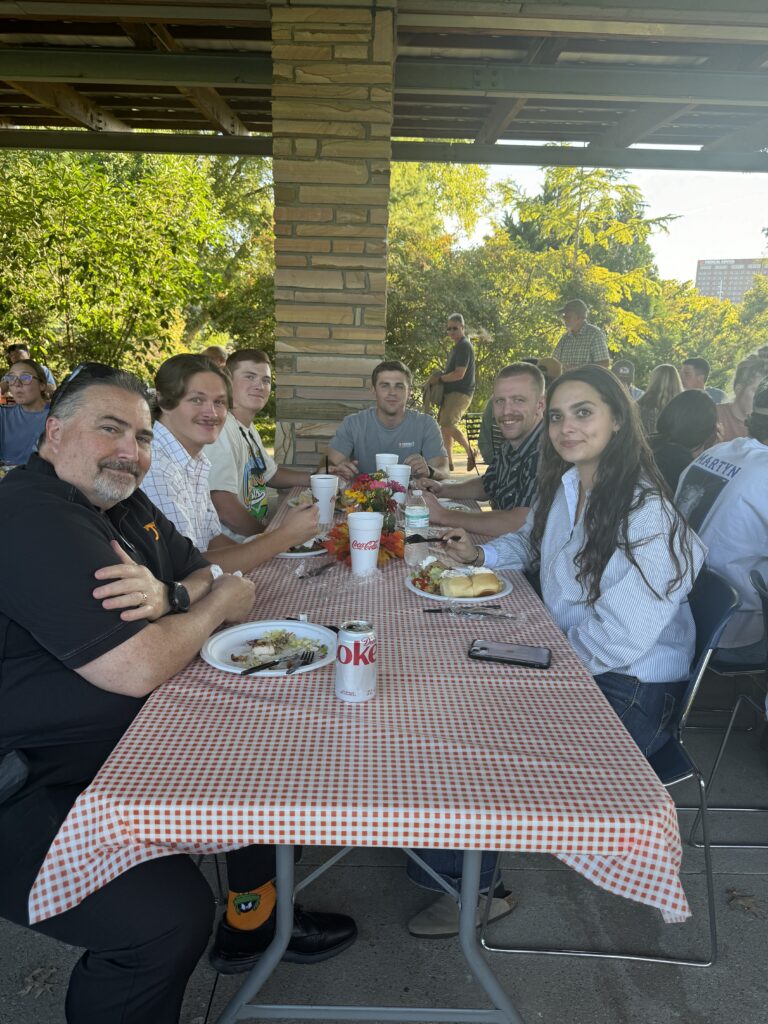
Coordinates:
(360, 653)
(365, 545)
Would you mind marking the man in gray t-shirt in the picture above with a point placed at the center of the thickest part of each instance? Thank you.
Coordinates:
(389, 427)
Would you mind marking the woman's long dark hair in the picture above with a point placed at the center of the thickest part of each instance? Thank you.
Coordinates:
(690, 420)
(626, 477)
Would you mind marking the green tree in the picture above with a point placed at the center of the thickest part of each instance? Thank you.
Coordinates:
(585, 234)
(753, 315)
(100, 252)
(433, 209)
(242, 307)
(684, 323)
(125, 258)
(597, 220)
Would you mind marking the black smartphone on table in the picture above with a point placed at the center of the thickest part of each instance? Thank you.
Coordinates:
(511, 653)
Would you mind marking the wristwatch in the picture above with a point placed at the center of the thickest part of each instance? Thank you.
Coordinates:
(178, 598)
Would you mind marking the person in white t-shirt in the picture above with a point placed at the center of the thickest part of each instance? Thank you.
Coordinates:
(724, 497)
(241, 468)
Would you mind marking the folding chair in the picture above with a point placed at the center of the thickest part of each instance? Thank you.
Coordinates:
(713, 601)
(744, 698)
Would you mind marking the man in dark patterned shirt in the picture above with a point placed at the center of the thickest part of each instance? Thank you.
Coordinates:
(510, 480)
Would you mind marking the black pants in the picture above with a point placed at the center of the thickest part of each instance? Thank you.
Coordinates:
(143, 932)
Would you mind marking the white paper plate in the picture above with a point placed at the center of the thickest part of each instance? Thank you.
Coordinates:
(220, 646)
(302, 554)
(506, 589)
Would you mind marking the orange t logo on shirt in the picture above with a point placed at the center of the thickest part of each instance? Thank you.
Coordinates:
(151, 528)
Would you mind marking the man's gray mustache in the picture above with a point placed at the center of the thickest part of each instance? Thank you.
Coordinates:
(121, 467)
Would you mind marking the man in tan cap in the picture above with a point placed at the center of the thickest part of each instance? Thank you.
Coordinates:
(582, 342)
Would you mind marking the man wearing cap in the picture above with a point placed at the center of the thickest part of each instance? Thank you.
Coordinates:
(583, 342)
(724, 497)
(624, 369)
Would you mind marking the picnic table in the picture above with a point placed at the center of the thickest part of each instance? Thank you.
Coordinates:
(451, 754)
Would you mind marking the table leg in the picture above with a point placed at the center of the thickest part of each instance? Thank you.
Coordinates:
(470, 944)
(274, 952)
(504, 1013)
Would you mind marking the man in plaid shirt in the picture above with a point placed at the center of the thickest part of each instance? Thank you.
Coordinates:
(582, 342)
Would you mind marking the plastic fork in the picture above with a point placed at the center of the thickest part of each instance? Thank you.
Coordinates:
(305, 658)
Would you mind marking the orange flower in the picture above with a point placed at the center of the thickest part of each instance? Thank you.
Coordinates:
(337, 543)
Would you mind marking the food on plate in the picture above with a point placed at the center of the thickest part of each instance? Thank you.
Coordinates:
(427, 576)
(476, 584)
(304, 498)
(315, 544)
(276, 643)
(434, 577)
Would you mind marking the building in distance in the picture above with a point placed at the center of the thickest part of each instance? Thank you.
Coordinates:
(728, 279)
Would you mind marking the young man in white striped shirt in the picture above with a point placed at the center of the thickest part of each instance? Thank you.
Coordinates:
(193, 399)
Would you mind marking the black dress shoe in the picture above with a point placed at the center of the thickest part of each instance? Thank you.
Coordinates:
(315, 937)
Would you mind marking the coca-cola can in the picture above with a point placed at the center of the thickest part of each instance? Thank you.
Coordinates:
(356, 651)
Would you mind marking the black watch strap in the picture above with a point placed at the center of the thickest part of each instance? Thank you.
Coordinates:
(178, 598)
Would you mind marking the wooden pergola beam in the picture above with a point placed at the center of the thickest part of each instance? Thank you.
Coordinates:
(63, 99)
(745, 140)
(211, 105)
(504, 112)
(420, 152)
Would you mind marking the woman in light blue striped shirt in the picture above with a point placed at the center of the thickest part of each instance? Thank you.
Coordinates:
(617, 560)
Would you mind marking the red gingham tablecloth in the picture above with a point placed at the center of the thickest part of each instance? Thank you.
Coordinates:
(452, 753)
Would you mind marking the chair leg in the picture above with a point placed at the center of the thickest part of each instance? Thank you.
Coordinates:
(753, 678)
(743, 697)
(640, 957)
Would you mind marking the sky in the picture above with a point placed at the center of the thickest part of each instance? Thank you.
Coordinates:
(720, 215)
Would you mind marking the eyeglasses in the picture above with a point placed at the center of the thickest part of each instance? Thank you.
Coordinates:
(82, 373)
(18, 378)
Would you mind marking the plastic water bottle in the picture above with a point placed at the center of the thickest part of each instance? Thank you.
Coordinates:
(416, 524)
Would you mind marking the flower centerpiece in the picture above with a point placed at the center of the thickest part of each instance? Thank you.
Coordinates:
(369, 492)
(373, 492)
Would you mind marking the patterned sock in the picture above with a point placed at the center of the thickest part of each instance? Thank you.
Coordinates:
(250, 910)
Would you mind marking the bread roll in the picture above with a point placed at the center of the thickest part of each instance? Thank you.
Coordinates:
(479, 584)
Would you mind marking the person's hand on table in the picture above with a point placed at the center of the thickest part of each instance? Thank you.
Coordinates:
(419, 466)
(460, 546)
(345, 470)
(435, 486)
(240, 593)
(133, 588)
(301, 523)
(436, 511)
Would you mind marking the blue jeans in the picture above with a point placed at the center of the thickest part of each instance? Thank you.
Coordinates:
(448, 864)
(646, 710)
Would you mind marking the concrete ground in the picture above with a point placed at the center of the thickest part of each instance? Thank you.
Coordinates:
(556, 905)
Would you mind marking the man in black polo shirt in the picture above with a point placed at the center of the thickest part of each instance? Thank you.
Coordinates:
(104, 600)
(510, 480)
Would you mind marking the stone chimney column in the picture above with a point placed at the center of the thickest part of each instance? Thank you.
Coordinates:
(332, 95)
